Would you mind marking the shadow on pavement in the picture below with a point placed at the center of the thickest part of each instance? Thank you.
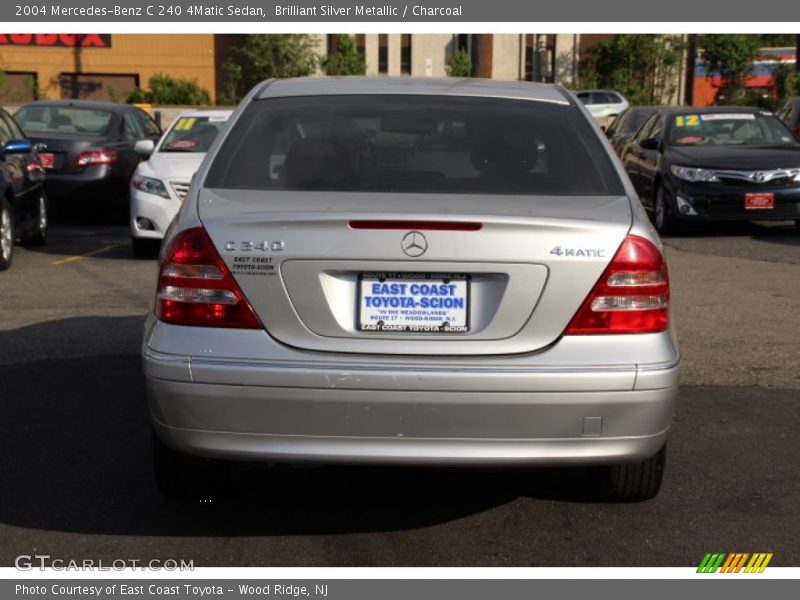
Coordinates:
(75, 457)
(98, 241)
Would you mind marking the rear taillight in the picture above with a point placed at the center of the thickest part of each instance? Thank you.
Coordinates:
(34, 166)
(797, 129)
(195, 287)
(92, 158)
(632, 295)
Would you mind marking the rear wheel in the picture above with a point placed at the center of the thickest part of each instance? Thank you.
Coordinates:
(6, 234)
(797, 224)
(633, 482)
(39, 237)
(663, 218)
(184, 478)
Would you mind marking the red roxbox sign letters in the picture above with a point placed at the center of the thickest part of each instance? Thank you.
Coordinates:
(69, 40)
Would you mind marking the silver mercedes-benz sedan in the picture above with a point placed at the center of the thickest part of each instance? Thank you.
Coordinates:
(411, 271)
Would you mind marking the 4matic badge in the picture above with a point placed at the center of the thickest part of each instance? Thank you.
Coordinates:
(585, 252)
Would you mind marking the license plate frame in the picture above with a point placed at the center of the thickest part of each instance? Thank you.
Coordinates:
(48, 160)
(455, 315)
(759, 201)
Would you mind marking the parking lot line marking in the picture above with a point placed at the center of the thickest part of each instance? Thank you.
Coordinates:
(69, 259)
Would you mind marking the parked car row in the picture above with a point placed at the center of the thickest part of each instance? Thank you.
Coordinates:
(61, 153)
(712, 164)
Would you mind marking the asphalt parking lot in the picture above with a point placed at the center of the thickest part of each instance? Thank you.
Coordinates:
(74, 439)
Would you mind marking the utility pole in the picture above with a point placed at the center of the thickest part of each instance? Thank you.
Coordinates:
(691, 57)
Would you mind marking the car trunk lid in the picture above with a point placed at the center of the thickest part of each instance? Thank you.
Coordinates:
(306, 260)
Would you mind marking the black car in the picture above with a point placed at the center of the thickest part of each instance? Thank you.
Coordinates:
(715, 164)
(23, 205)
(626, 124)
(87, 148)
(789, 113)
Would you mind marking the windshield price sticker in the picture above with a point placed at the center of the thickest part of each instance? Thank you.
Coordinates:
(413, 302)
(729, 117)
(687, 121)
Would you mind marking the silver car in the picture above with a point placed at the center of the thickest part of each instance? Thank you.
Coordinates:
(416, 272)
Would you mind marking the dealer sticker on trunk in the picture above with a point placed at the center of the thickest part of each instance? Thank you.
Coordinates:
(414, 302)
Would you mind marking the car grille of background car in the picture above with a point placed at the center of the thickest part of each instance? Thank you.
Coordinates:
(180, 189)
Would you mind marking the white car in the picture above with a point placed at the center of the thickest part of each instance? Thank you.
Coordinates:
(160, 184)
(603, 103)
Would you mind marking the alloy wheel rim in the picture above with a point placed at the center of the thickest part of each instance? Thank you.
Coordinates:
(5, 234)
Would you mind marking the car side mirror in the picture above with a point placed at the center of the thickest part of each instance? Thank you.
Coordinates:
(649, 144)
(17, 147)
(144, 148)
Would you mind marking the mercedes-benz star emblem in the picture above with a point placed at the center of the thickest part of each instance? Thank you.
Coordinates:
(414, 244)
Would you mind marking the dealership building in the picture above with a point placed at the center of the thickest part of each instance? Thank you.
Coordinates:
(101, 66)
(110, 66)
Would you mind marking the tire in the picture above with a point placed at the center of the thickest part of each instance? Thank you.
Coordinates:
(663, 218)
(797, 224)
(188, 479)
(145, 248)
(6, 234)
(39, 237)
(633, 482)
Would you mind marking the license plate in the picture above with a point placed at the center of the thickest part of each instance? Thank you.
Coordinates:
(759, 201)
(47, 159)
(413, 302)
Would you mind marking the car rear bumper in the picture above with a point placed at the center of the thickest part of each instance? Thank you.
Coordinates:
(284, 411)
(92, 182)
(410, 451)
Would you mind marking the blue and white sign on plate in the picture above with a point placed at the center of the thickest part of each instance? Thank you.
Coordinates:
(414, 302)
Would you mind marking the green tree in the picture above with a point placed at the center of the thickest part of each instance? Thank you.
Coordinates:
(266, 56)
(2, 75)
(459, 64)
(644, 67)
(777, 40)
(171, 90)
(347, 60)
(784, 80)
(232, 80)
(731, 57)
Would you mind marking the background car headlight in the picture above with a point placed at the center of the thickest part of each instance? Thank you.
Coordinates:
(693, 174)
(150, 185)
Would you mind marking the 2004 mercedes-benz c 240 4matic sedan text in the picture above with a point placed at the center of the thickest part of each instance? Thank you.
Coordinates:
(401, 271)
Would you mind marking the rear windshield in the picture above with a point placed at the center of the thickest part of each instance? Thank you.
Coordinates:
(192, 134)
(64, 120)
(729, 129)
(421, 144)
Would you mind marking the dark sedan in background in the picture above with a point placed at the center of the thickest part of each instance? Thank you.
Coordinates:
(23, 206)
(626, 124)
(87, 148)
(715, 164)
